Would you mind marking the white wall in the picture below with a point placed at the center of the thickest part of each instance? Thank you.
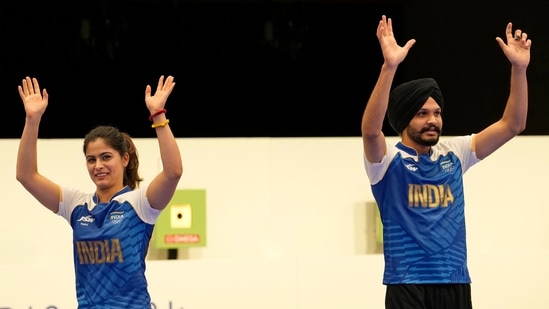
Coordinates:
(287, 227)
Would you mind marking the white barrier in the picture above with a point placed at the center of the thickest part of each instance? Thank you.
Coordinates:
(501, 281)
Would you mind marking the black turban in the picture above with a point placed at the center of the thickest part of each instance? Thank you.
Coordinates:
(408, 98)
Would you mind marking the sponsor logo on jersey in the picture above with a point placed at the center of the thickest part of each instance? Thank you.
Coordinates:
(411, 167)
(85, 220)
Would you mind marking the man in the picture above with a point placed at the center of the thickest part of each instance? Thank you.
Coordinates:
(417, 183)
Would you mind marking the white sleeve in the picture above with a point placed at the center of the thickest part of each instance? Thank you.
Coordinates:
(376, 171)
(143, 207)
(70, 198)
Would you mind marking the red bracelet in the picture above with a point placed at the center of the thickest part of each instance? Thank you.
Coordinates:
(161, 111)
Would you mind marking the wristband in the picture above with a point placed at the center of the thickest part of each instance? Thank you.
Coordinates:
(160, 111)
(160, 124)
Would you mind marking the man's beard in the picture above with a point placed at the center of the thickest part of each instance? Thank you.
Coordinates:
(416, 136)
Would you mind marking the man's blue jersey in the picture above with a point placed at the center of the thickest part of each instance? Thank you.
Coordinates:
(110, 243)
(421, 203)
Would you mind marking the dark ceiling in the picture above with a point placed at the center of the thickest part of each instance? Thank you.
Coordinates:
(256, 68)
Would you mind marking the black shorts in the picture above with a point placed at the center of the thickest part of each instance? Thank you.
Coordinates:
(428, 296)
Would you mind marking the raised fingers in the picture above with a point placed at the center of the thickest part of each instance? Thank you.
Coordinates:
(385, 26)
(169, 83)
(36, 87)
(519, 35)
(509, 31)
(31, 85)
(27, 86)
(160, 83)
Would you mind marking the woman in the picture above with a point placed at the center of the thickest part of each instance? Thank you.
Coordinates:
(113, 225)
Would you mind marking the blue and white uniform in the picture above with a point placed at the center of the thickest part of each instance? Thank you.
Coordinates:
(110, 243)
(421, 203)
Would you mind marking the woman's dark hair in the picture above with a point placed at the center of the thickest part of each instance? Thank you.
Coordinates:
(123, 143)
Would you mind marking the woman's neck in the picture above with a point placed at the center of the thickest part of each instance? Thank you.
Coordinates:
(105, 195)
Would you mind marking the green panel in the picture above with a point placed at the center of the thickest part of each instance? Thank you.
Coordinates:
(379, 227)
(183, 222)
